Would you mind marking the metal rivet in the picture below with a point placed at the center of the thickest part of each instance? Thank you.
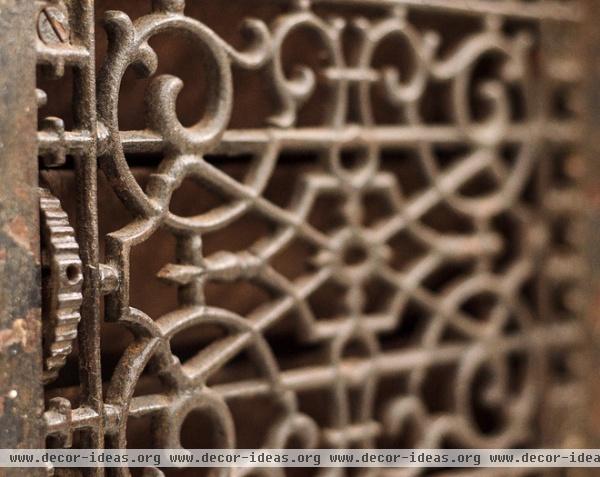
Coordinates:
(109, 279)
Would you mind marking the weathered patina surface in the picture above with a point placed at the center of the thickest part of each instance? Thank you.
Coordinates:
(21, 403)
(330, 245)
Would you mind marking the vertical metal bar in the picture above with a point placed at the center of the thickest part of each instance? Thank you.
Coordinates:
(20, 337)
(563, 79)
(591, 145)
(87, 218)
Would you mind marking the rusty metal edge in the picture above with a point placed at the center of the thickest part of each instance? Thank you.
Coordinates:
(21, 398)
(590, 47)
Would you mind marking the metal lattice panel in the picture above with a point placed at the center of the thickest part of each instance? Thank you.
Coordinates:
(384, 253)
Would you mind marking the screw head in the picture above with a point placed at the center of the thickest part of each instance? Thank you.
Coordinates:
(53, 25)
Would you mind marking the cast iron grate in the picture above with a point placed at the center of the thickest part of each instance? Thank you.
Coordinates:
(364, 235)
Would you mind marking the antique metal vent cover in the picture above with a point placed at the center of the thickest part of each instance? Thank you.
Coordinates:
(326, 223)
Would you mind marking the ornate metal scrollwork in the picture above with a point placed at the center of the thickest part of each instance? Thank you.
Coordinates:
(463, 297)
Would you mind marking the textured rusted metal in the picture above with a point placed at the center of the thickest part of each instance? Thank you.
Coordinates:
(451, 293)
(590, 38)
(21, 403)
(61, 284)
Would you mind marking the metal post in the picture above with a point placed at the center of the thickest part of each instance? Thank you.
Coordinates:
(20, 349)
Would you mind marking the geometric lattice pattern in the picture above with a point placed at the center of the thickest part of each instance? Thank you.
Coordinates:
(383, 252)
